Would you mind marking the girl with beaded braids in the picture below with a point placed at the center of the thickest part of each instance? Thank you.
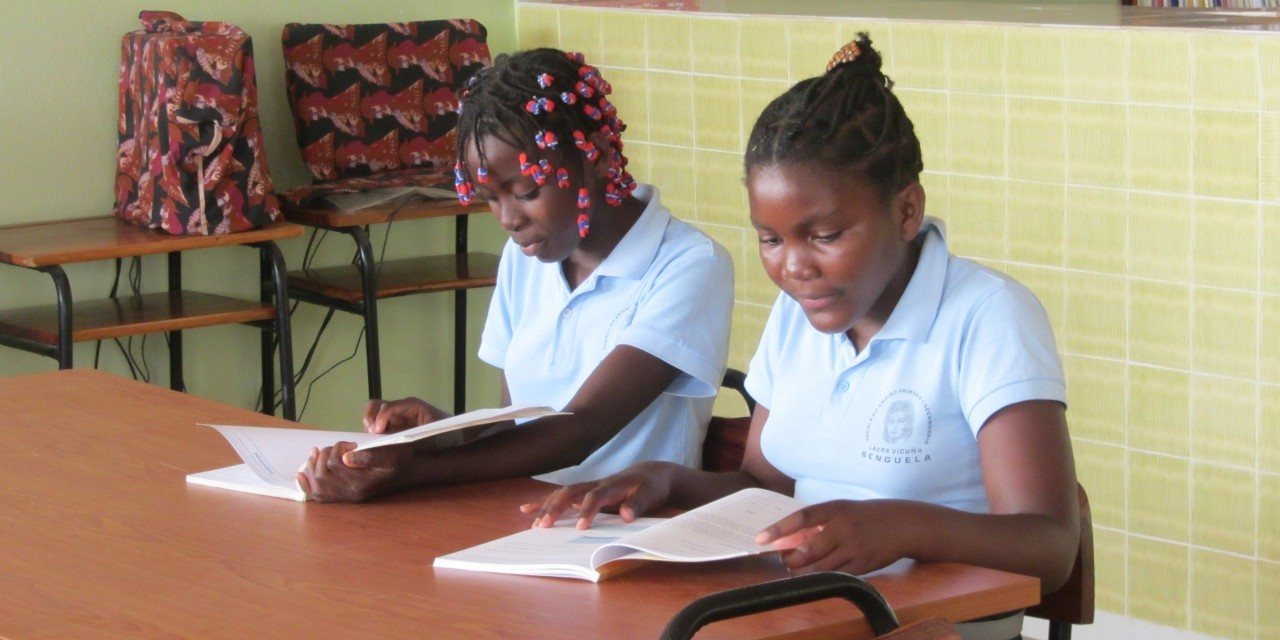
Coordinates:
(913, 399)
(606, 306)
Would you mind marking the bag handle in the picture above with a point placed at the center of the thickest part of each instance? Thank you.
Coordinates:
(777, 594)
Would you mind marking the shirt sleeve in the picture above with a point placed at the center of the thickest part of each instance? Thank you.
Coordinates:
(684, 319)
(499, 325)
(1008, 356)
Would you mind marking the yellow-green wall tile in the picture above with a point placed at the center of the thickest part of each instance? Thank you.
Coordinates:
(717, 114)
(1270, 276)
(811, 43)
(1159, 67)
(1222, 508)
(1269, 429)
(1160, 142)
(1093, 324)
(1095, 398)
(1225, 154)
(716, 48)
(722, 198)
(978, 126)
(1160, 323)
(1159, 496)
(747, 325)
(1269, 338)
(1226, 239)
(631, 96)
(1037, 137)
(1269, 73)
(1269, 519)
(538, 26)
(1096, 229)
(1037, 62)
(669, 40)
(976, 57)
(1035, 223)
(638, 162)
(580, 31)
(734, 240)
(1160, 236)
(1097, 143)
(929, 113)
(1096, 68)
(919, 55)
(763, 42)
(1109, 560)
(674, 172)
(1225, 336)
(976, 217)
(1220, 606)
(1224, 427)
(1269, 145)
(937, 188)
(1226, 71)
(1159, 410)
(1158, 582)
(623, 37)
(756, 95)
(670, 108)
(1101, 470)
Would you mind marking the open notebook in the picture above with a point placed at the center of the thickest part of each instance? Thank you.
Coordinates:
(272, 456)
(719, 530)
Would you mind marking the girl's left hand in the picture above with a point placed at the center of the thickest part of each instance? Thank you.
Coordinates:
(842, 535)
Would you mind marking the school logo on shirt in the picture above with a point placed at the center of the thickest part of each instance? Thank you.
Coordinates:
(621, 320)
(899, 430)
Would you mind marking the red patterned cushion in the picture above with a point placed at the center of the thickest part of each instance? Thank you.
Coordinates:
(374, 98)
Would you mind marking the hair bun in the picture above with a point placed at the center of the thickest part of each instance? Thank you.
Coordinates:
(847, 53)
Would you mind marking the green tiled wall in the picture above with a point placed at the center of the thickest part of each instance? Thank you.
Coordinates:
(1131, 178)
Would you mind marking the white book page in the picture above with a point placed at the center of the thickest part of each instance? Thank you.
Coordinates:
(561, 550)
(722, 529)
(275, 454)
(460, 421)
(241, 478)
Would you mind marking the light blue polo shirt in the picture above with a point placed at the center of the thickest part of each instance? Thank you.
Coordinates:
(901, 418)
(666, 289)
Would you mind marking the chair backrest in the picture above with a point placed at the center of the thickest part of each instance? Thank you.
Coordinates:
(726, 438)
(370, 99)
(796, 590)
(1072, 603)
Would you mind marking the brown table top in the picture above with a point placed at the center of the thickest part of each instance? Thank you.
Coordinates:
(103, 537)
(43, 244)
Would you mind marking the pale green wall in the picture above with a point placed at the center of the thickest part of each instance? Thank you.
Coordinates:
(58, 97)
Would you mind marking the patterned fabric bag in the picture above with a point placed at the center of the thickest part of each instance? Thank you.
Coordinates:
(375, 105)
(190, 157)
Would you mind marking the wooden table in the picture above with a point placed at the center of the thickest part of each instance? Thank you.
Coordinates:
(102, 538)
(51, 330)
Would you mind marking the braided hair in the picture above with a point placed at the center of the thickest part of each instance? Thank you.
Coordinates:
(847, 120)
(547, 103)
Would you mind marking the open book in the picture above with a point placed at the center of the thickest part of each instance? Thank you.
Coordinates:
(272, 456)
(719, 530)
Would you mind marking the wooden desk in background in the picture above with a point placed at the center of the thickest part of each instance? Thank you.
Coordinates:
(356, 288)
(102, 537)
(50, 330)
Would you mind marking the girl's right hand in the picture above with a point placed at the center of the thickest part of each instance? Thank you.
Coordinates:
(390, 416)
(634, 492)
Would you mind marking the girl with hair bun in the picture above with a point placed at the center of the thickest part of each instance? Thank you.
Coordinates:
(914, 400)
(606, 307)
